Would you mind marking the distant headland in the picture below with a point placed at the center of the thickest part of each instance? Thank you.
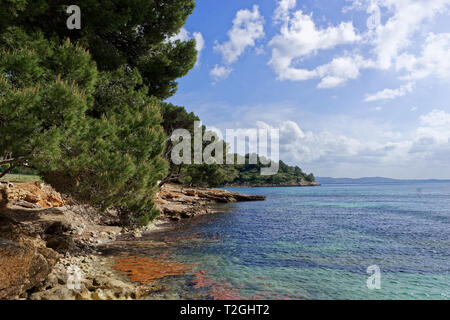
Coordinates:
(323, 180)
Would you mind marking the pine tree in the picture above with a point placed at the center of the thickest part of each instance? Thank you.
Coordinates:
(85, 112)
(40, 102)
(116, 161)
(127, 32)
(95, 135)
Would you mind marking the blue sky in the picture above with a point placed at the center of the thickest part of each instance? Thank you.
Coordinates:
(350, 98)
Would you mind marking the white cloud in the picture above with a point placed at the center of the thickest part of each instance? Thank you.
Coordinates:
(345, 145)
(406, 19)
(260, 50)
(199, 44)
(300, 37)
(220, 72)
(432, 138)
(340, 70)
(388, 44)
(184, 35)
(283, 9)
(434, 61)
(436, 118)
(391, 40)
(388, 152)
(333, 74)
(248, 26)
(389, 94)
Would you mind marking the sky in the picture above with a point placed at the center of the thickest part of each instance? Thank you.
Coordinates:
(357, 88)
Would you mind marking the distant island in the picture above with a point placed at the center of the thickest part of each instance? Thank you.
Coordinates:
(323, 180)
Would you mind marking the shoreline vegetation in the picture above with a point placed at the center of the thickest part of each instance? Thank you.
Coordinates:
(44, 234)
(86, 111)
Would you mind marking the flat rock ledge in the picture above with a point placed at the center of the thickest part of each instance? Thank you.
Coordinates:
(178, 202)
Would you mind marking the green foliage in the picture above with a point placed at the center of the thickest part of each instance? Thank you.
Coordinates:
(127, 32)
(82, 108)
(40, 103)
(203, 175)
(250, 175)
(214, 175)
(176, 117)
(115, 161)
(90, 123)
(97, 136)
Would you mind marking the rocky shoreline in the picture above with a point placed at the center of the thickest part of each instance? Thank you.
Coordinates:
(46, 240)
(180, 202)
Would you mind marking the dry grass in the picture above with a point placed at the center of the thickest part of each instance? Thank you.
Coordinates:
(21, 178)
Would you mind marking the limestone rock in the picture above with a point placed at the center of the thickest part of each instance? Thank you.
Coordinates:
(178, 202)
(25, 261)
(31, 195)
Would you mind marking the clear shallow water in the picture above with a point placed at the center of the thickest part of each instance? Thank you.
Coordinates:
(316, 243)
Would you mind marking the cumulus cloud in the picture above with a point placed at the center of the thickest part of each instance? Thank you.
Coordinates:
(432, 139)
(390, 41)
(248, 27)
(300, 37)
(388, 44)
(184, 35)
(340, 70)
(389, 94)
(434, 60)
(406, 19)
(220, 72)
(330, 149)
(332, 74)
(436, 118)
(282, 11)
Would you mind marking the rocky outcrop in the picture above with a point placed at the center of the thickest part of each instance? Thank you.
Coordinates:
(32, 195)
(25, 261)
(33, 238)
(309, 184)
(93, 279)
(41, 239)
(178, 202)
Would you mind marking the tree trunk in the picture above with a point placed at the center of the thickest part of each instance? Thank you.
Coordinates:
(7, 171)
(5, 161)
(170, 178)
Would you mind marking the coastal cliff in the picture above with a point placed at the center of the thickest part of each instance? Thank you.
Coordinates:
(43, 235)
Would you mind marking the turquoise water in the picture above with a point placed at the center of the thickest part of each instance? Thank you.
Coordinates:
(316, 243)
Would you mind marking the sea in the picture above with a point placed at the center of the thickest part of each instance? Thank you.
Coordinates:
(338, 241)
